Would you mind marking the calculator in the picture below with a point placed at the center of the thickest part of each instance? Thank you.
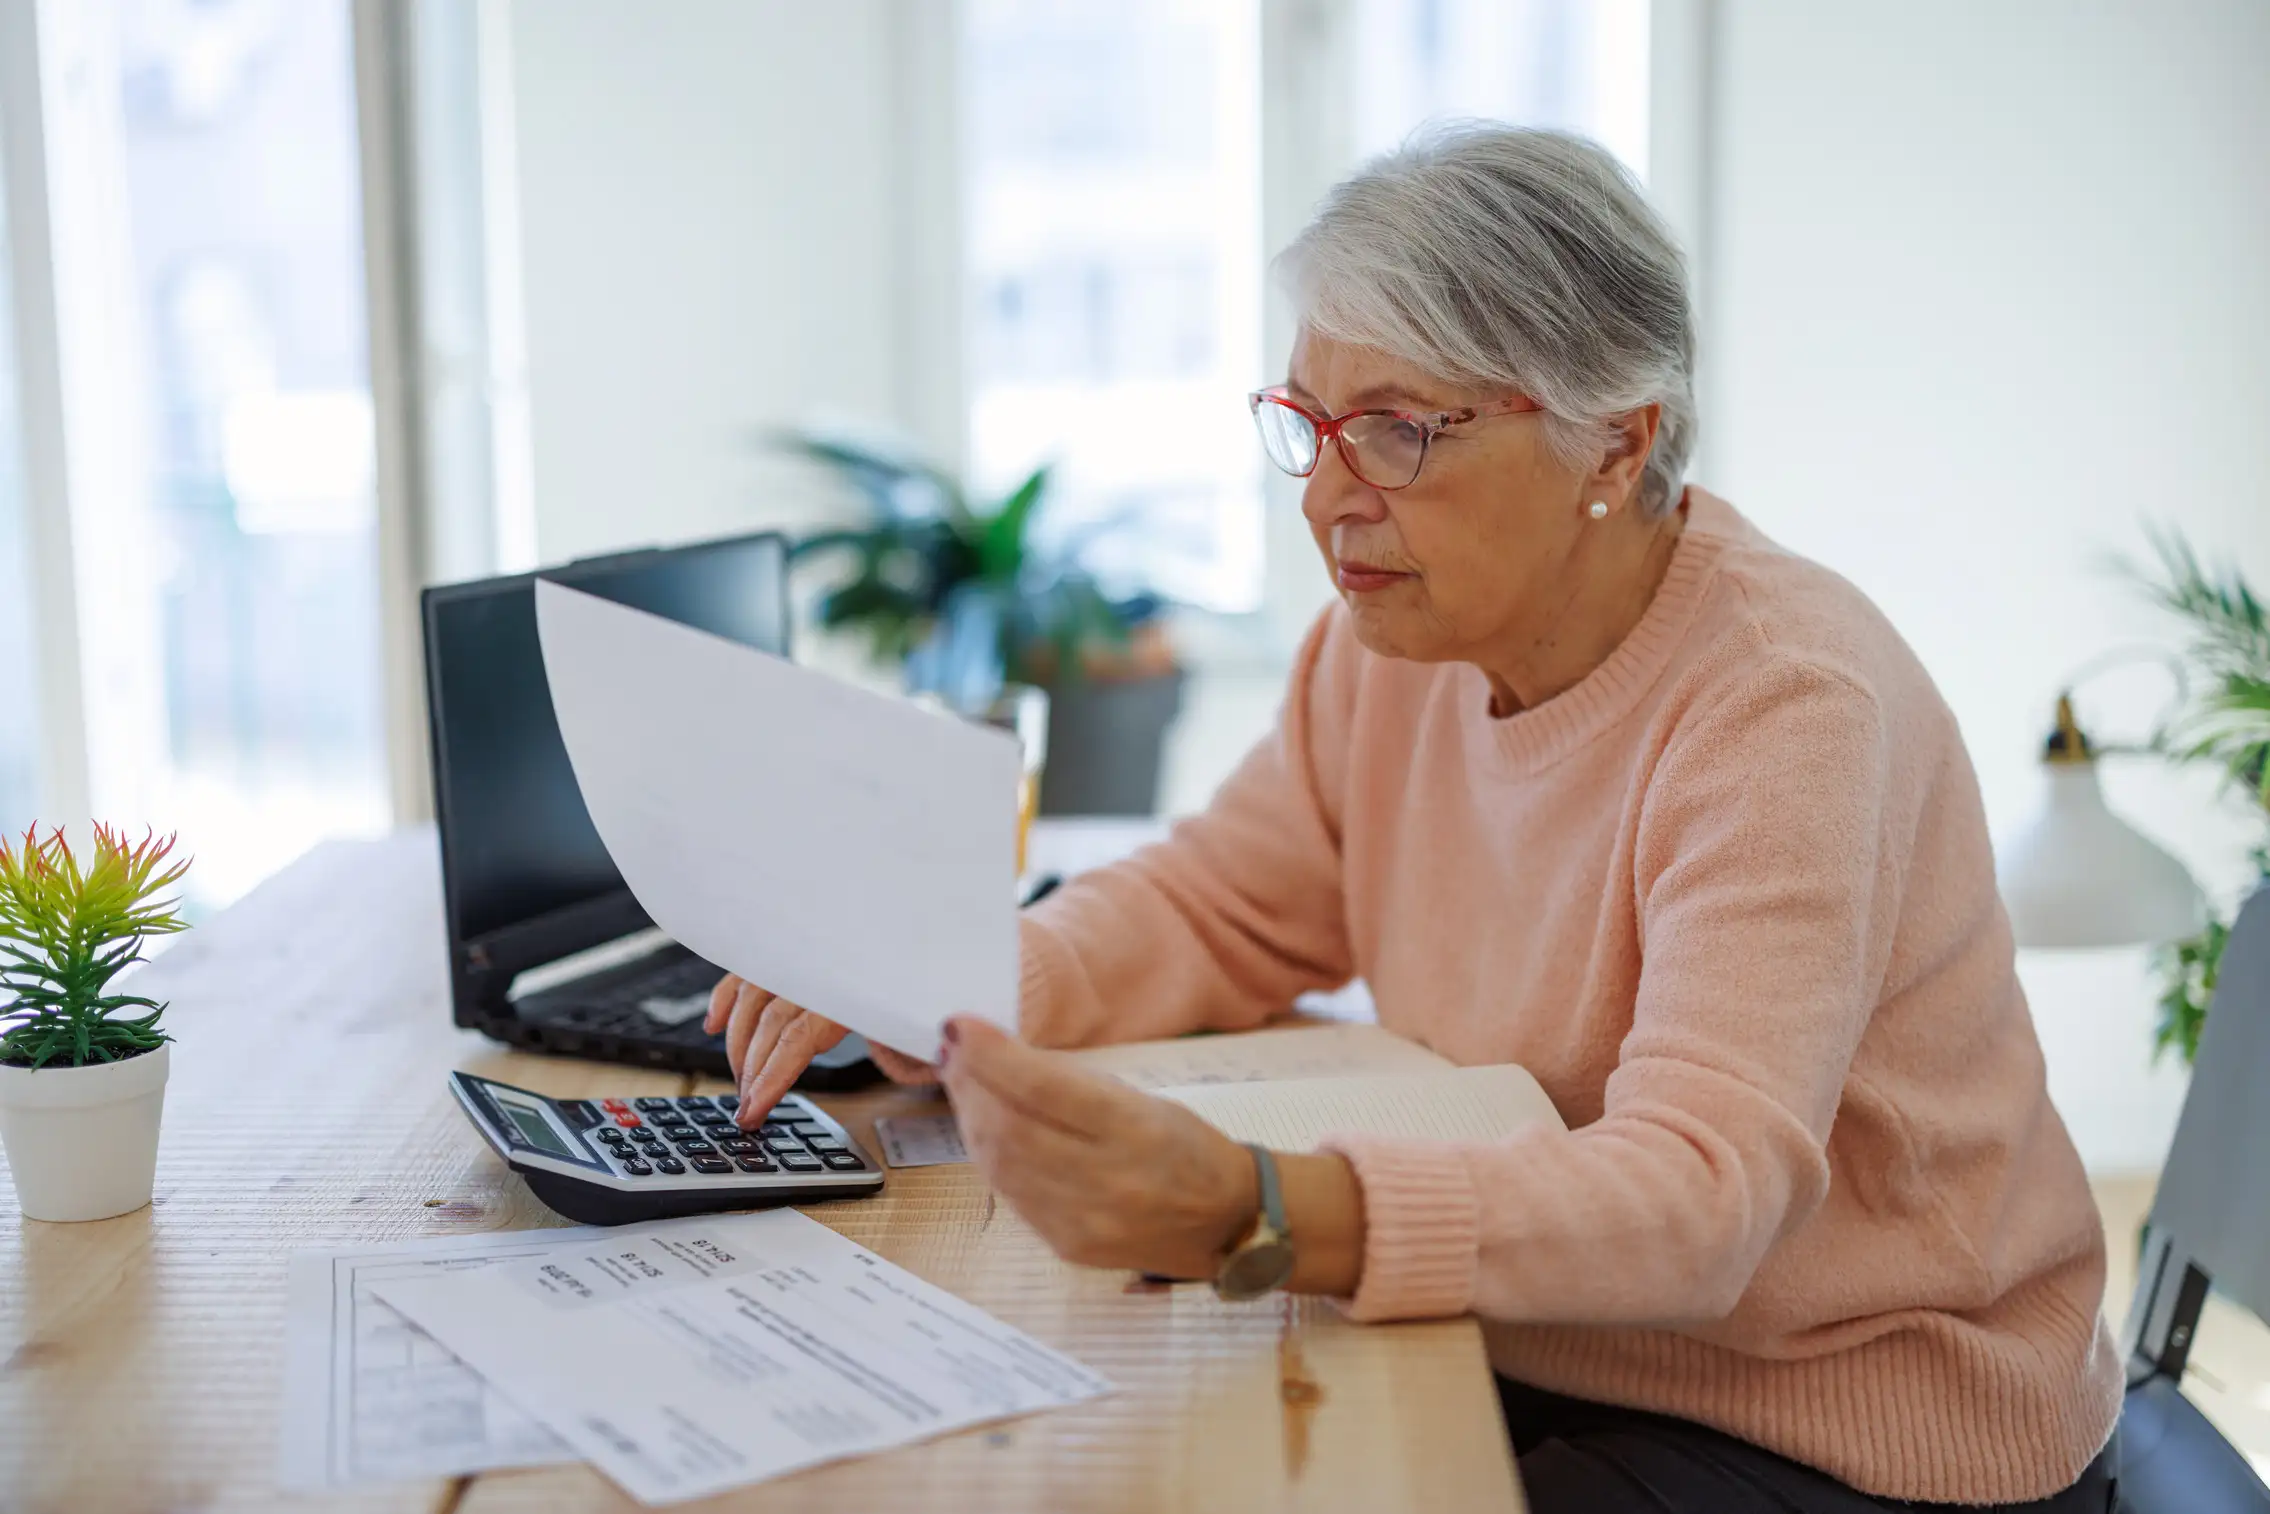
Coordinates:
(617, 1161)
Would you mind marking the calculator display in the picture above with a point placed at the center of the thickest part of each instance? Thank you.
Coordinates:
(536, 1128)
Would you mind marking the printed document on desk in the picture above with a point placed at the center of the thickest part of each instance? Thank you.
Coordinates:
(685, 1357)
(369, 1397)
(849, 851)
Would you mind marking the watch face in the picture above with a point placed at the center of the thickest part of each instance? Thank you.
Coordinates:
(1255, 1270)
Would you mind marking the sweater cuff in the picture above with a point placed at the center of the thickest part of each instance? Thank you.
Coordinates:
(1422, 1227)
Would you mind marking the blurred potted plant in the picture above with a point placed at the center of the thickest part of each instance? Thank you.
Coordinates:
(2224, 722)
(82, 1065)
(959, 591)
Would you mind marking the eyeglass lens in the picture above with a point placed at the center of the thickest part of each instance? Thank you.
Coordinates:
(1383, 451)
(1288, 436)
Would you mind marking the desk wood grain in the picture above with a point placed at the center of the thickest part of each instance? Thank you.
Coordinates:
(140, 1358)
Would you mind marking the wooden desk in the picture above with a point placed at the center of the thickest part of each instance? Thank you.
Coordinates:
(140, 1357)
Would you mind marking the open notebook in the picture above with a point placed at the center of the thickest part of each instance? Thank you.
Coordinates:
(1288, 1088)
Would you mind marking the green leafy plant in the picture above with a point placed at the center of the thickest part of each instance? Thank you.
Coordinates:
(2224, 722)
(67, 930)
(941, 579)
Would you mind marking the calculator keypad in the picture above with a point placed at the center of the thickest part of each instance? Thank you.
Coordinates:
(701, 1134)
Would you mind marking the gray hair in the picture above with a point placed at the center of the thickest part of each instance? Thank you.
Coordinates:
(1504, 257)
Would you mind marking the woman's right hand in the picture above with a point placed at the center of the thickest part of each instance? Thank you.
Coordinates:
(770, 1041)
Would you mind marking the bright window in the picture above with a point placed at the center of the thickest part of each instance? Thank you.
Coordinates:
(1577, 64)
(19, 681)
(242, 211)
(1112, 231)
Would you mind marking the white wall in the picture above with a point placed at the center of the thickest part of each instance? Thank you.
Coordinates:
(716, 241)
(1986, 286)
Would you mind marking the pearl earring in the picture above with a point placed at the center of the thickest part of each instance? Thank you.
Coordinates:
(1599, 510)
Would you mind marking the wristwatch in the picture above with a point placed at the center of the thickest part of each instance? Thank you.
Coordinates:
(1263, 1261)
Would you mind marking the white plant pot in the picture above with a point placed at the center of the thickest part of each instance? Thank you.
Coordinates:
(82, 1142)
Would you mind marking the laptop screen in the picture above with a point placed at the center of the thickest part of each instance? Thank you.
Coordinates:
(526, 878)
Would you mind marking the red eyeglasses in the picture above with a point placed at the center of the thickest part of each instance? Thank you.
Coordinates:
(1384, 448)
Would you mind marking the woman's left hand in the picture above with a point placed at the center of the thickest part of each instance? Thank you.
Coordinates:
(1110, 1177)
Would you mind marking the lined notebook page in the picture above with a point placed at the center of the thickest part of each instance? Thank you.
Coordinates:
(1460, 1104)
(1261, 1056)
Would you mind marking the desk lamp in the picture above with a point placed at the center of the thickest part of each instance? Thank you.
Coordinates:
(2077, 875)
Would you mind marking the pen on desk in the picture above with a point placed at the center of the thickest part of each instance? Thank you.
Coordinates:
(1043, 886)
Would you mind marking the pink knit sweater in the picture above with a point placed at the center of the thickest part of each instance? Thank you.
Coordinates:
(1731, 900)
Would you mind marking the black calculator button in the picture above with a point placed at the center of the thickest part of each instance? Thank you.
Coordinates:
(775, 1128)
(842, 1161)
(693, 1149)
(727, 1101)
(783, 1144)
(711, 1164)
(651, 1104)
(738, 1146)
(670, 1164)
(757, 1163)
(798, 1161)
(635, 1167)
(711, 1117)
(821, 1142)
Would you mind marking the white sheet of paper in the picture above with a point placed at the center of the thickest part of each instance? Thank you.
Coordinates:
(920, 1140)
(851, 852)
(369, 1397)
(689, 1356)
(1460, 1104)
(1272, 1055)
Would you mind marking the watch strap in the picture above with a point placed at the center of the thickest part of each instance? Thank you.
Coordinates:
(1272, 1193)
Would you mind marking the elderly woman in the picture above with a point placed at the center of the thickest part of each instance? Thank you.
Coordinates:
(1583, 773)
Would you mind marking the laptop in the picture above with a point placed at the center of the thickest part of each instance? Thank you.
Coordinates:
(548, 950)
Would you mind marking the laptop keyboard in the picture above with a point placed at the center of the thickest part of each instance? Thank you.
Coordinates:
(653, 1003)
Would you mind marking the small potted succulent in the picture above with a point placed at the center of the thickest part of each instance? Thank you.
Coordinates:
(82, 1064)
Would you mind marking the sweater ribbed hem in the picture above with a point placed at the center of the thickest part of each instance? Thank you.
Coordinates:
(1422, 1228)
(1535, 739)
(2006, 1406)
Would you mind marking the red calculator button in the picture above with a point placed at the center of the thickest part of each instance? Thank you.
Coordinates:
(614, 1106)
(628, 1121)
